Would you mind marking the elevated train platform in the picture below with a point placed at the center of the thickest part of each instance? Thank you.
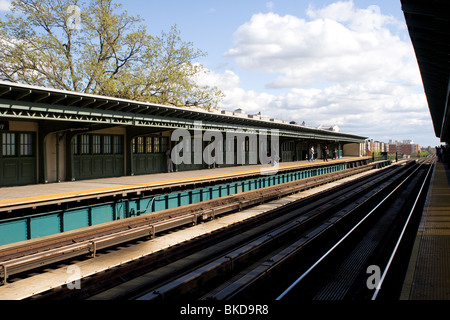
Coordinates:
(70, 160)
(31, 212)
(59, 275)
(32, 195)
(428, 276)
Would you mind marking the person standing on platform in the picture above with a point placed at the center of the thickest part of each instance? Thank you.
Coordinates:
(311, 154)
(325, 154)
(169, 159)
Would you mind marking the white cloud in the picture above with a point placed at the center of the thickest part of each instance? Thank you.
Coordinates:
(344, 66)
(5, 5)
(374, 109)
(225, 81)
(341, 43)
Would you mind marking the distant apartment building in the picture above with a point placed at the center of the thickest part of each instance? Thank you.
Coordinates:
(392, 148)
(405, 147)
(375, 146)
(402, 148)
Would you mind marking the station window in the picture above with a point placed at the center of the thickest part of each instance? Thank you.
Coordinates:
(101, 144)
(9, 144)
(148, 144)
(140, 145)
(17, 144)
(156, 145)
(26, 145)
(96, 144)
(107, 145)
(75, 146)
(85, 144)
(118, 145)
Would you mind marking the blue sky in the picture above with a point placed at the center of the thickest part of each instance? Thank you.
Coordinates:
(380, 106)
(210, 24)
(349, 63)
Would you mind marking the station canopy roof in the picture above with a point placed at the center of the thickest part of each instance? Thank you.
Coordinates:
(429, 28)
(27, 102)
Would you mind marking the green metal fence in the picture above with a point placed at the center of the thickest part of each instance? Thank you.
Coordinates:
(36, 226)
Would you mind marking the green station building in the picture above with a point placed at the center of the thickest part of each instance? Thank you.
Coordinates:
(49, 135)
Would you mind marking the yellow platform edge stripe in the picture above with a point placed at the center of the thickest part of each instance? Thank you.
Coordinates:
(59, 196)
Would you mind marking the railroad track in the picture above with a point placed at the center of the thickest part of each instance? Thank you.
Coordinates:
(369, 262)
(23, 257)
(253, 263)
(222, 265)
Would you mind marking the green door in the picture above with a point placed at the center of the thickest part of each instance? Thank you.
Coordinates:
(17, 158)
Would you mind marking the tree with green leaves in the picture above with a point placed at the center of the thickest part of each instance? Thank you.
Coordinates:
(96, 47)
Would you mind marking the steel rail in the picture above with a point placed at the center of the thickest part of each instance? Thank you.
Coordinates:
(307, 272)
(140, 274)
(275, 218)
(394, 251)
(237, 255)
(278, 259)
